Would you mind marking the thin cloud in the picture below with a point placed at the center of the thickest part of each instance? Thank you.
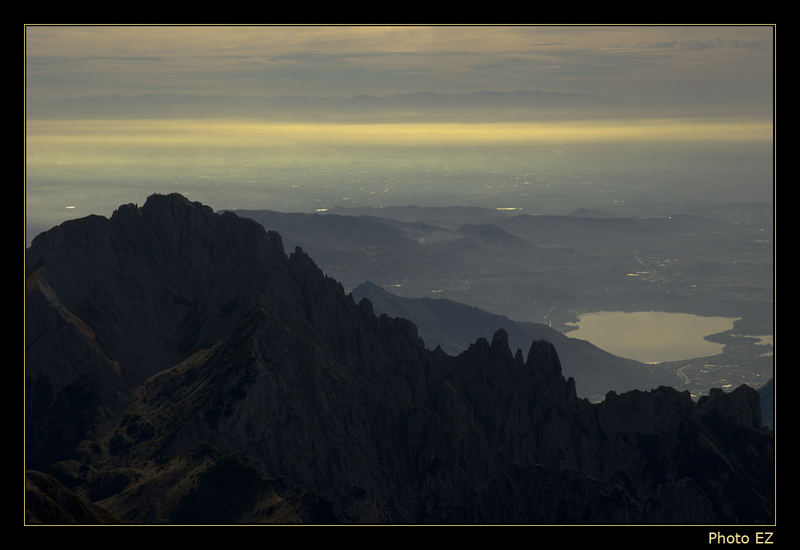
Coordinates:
(74, 61)
(123, 58)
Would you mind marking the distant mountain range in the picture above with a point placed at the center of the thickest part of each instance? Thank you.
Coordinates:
(404, 105)
(182, 368)
(485, 105)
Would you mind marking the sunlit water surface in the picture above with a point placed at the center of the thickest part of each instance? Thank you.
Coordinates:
(652, 336)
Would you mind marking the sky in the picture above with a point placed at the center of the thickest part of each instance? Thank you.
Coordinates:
(671, 63)
(670, 110)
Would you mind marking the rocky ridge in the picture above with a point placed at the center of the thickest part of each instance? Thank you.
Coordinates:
(181, 367)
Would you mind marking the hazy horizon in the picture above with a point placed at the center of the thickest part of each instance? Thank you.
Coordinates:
(301, 118)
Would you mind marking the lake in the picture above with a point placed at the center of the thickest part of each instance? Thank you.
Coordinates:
(651, 336)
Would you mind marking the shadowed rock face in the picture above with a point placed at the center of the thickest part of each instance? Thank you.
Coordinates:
(187, 360)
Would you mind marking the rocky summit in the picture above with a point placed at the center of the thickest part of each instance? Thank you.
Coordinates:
(181, 367)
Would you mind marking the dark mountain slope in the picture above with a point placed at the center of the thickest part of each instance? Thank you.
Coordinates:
(156, 282)
(767, 393)
(71, 384)
(113, 301)
(274, 396)
(49, 502)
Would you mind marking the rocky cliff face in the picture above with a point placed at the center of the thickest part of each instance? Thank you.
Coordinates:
(200, 374)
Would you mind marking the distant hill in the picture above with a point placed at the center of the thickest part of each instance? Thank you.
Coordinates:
(591, 213)
(610, 233)
(450, 217)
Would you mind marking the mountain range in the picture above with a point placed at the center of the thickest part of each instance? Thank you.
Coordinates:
(181, 367)
(486, 105)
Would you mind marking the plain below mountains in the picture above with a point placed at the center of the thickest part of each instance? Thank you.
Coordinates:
(181, 367)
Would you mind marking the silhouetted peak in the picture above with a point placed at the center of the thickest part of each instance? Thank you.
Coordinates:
(500, 337)
(174, 201)
(302, 266)
(741, 406)
(480, 346)
(300, 255)
(366, 307)
(499, 347)
(174, 208)
(543, 355)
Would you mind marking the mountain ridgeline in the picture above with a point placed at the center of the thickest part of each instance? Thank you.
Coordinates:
(182, 368)
(454, 326)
